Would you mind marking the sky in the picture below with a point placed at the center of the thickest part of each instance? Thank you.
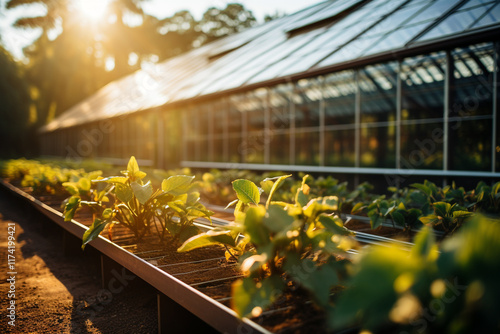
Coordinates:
(15, 39)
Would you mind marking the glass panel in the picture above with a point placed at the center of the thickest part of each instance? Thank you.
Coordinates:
(472, 85)
(280, 148)
(204, 149)
(339, 92)
(220, 113)
(378, 85)
(396, 39)
(235, 149)
(306, 102)
(474, 3)
(235, 119)
(339, 148)
(455, 23)
(219, 150)
(331, 9)
(378, 147)
(470, 145)
(434, 11)
(253, 147)
(423, 86)
(393, 21)
(191, 150)
(307, 148)
(422, 146)
(204, 115)
(279, 106)
(254, 109)
(493, 17)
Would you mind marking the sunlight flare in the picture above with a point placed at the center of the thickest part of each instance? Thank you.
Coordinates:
(92, 9)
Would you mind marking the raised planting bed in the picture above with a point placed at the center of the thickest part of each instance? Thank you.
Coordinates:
(180, 304)
(281, 265)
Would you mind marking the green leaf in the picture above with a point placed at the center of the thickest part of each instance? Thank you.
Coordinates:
(112, 179)
(398, 217)
(70, 208)
(319, 205)
(133, 172)
(84, 184)
(93, 231)
(425, 243)
(246, 191)
(358, 207)
(376, 220)
(334, 224)
(276, 185)
(425, 189)
(461, 214)
(277, 219)
(442, 208)
(267, 185)
(213, 237)
(249, 295)
(254, 226)
(123, 192)
(302, 198)
(71, 188)
(177, 184)
(142, 193)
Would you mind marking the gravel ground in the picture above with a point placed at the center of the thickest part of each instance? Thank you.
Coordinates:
(61, 293)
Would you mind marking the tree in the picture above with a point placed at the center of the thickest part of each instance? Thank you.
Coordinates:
(14, 109)
(70, 60)
(218, 23)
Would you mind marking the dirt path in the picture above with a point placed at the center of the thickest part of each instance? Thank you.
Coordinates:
(57, 293)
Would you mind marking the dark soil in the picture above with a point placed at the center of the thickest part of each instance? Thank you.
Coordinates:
(61, 293)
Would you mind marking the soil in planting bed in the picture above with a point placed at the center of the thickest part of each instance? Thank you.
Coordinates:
(205, 269)
(58, 293)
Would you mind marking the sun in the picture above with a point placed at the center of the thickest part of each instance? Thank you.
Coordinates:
(91, 9)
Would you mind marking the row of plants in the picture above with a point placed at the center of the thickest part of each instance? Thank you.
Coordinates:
(446, 288)
(443, 208)
(287, 237)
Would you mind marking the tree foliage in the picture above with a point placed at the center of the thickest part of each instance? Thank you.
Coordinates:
(14, 107)
(75, 56)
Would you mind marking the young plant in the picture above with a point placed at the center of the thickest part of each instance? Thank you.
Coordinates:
(446, 216)
(284, 243)
(451, 289)
(137, 206)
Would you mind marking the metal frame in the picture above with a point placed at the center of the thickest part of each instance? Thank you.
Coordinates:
(356, 169)
(339, 170)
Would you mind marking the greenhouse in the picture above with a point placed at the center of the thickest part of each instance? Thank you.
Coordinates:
(401, 89)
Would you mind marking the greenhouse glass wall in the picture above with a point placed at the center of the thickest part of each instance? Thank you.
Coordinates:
(373, 87)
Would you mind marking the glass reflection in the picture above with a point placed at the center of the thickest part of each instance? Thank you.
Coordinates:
(471, 108)
(378, 86)
(307, 102)
(339, 148)
(378, 147)
(422, 88)
(422, 146)
(339, 91)
(307, 148)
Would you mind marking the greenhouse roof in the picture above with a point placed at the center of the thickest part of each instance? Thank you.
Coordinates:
(320, 38)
